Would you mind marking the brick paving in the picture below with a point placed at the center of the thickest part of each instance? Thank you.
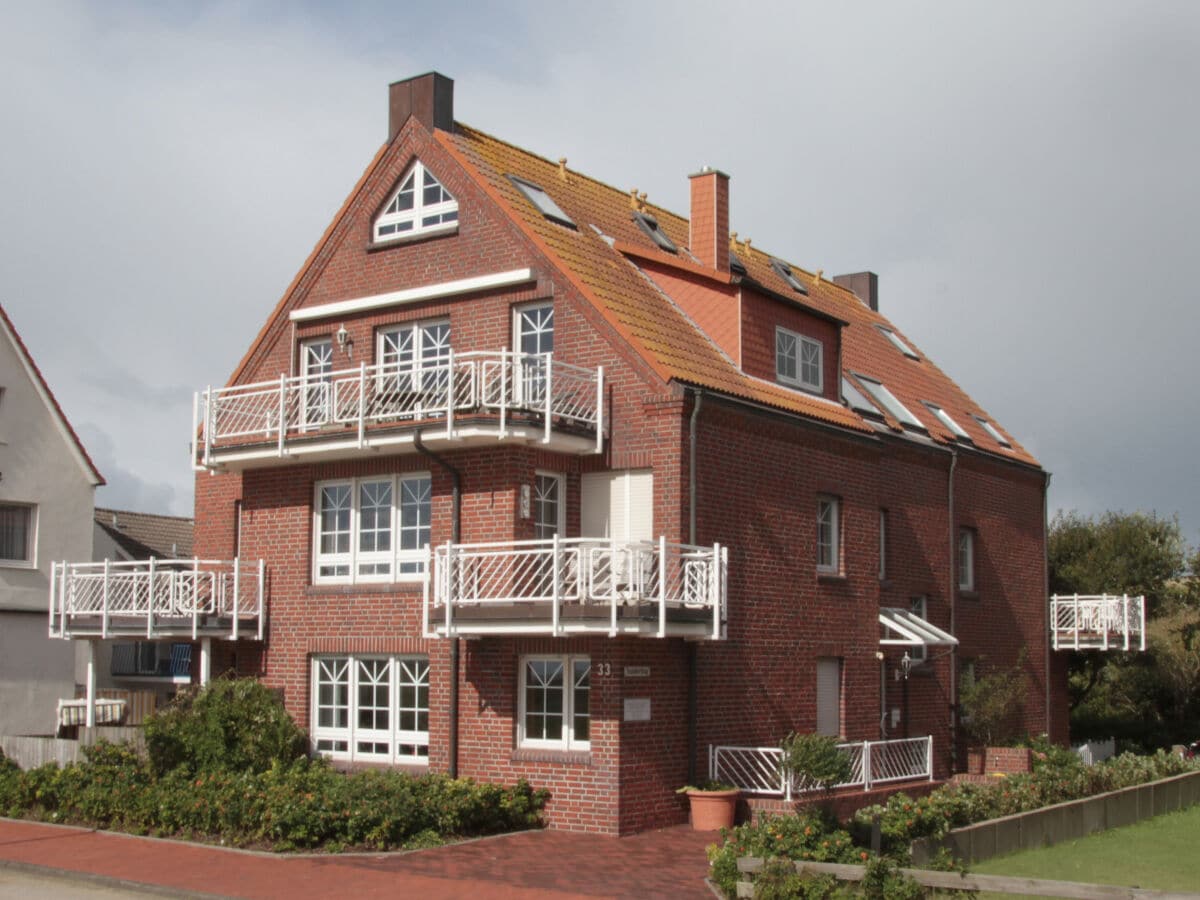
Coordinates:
(551, 864)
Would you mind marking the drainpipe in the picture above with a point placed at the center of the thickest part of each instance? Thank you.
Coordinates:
(953, 585)
(693, 703)
(1046, 590)
(455, 537)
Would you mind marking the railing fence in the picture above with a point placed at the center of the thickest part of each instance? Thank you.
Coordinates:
(1098, 622)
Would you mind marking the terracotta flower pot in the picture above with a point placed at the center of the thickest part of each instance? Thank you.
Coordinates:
(712, 810)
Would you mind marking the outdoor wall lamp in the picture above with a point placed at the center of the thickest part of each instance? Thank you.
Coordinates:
(344, 342)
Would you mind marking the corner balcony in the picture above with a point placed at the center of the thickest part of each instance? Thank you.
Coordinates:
(157, 599)
(460, 400)
(573, 586)
(1098, 622)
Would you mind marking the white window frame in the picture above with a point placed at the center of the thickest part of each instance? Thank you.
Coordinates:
(829, 535)
(947, 420)
(569, 741)
(427, 352)
(395, 556)
(419, 211)
(885, 398)
(31, 536)
(966, 559)
(408, 746)
(898, 342)
(316, 370)
(541, 531)
(799, 352)
(919, 606)
(993, 431)
(529, 370)
(883, 517)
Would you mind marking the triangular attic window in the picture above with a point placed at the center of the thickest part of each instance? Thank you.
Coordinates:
(420, 205)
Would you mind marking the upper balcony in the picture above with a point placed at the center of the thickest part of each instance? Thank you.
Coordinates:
(457, 400)
(1098, 622)
(179, 598)
(572, 586)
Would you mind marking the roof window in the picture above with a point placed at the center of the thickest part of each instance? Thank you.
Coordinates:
(886, 399)
(419, 206)
(898, 342)
(784, 271)
(544, 203)
(946, 419)
(991, 429)
(735, 264)
(857, 401)
(649, 224)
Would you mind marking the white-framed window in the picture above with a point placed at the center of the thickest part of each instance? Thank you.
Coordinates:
(993, 431)
(555, 711)
(533, 337)
(413, 358)
(542, 201)
(886, 399)
(549, 505)
(829, 535)
(883, 518)
(18, 535)
(316, 368)
(798, 360)
(947, 420)
(371, 529)
(966, 559)
(371, 707)
(919, 607)
(898, 342)
(420, 205)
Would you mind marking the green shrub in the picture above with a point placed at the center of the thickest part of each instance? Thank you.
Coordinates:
(230, 724)
(815, 759)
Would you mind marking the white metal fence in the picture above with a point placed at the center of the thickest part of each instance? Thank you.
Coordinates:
(1094, 752)
(587, 572)
(1098, 622)
(155, 597)
(759, 770)
(502, 383)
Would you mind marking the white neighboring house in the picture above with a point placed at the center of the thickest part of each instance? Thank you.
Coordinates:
(47, 493)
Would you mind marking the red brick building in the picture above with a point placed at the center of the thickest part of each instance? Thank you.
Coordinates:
(549, 482)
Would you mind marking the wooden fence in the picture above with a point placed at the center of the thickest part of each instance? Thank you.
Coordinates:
(29, 752)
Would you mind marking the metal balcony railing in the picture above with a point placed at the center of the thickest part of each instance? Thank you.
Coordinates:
(501, 384)
(578, 585)
(157, 598)
(759, 770)
(1098, 622)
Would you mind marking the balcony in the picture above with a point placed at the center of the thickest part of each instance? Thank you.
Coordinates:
(459, 400)
(187, 599)
(572, 586)
(1098, 622)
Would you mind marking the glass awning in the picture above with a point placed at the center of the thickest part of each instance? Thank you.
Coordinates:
(905, 629)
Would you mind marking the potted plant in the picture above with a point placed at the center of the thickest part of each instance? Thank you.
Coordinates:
(814, 762)
(713, 804)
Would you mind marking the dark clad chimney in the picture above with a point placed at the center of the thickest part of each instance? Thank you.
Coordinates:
(429, 97)
(864, 284)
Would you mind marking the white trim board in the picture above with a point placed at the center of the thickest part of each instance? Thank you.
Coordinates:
(413, 295)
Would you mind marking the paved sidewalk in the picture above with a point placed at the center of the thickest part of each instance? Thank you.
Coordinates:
(549, 864)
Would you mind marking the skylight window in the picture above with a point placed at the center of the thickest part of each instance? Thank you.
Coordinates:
(649, 224)
(419, 206)
(543, 201)
(885, 398)
(785, 272)
(945, 418)
(991, 429)
(898, 342)
(857, 401)
(735, 264)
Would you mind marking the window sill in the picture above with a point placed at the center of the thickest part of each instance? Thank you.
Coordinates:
(831, 578)
(567, 757)
(17, 564)
(343, 590)
(967, 595)
(413, 237)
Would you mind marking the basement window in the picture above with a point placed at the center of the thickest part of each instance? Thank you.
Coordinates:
(784, 271)
(991, 429)
(944, 417)
(649, 224)
(898, 342)
(886, 399)
(420, 205)
(543, 201)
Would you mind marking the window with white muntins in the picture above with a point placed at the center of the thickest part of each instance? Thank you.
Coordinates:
(371, 708)
(17, 534)
(533, 338)
(828, 536)
(420, 205)
(555, 703)
(798, 360)
(414, 358)
(371, 529)
(966, 559)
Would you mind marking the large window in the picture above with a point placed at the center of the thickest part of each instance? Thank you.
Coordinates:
(798, 360)
(533, 334)
(555, 709)
(966, 559)
(371, 529)
(16, 534)
(413, 359)
(316, 367)
(828, 535)
(371, 707)
(420, 205)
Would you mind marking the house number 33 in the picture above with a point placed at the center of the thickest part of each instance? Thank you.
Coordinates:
(603, 670)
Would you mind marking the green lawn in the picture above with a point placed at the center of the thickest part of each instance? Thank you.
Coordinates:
(1158, 853)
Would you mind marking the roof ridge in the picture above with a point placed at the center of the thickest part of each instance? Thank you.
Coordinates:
(135, 512)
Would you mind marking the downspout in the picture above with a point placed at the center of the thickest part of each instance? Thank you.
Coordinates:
(693, 703)
(953, 586)
(1046, 590)
(455, 537)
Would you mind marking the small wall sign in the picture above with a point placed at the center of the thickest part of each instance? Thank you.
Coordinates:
(637, 671)
(637, 709)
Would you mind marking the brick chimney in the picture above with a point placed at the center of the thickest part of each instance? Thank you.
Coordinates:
(429, 97)
(709, 237)
(865, 285)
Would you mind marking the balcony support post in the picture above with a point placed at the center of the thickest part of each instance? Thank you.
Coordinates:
(104, 603)
(1076, 608)
(282, 413)
(866, 765)
(205, 660)
(450, 394)
(662, 585)
(714, 590)
(195, 428)
(90, 715)
(600, 409)
(1142, 621)
(555, 587)
(53, 581)
(929, 756)
(425, 623)
(195, 597)
(208, 426)
(62, 599)
(261, 588)
(505, 362)
(548, 386)
(448, 595)
(362, 402)
(237, 596)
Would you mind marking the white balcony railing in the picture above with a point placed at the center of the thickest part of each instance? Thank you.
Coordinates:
(1098, 622)
(578, 585)
(501, 385)
(157, 598)
(758, 770)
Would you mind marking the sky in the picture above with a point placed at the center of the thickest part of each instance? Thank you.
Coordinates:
(1022, 176)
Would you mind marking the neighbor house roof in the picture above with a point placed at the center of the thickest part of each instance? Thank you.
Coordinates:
(143, 535)
(50, 401)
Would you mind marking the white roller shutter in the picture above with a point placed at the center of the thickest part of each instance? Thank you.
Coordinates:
(829, 695)
(618, 505)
